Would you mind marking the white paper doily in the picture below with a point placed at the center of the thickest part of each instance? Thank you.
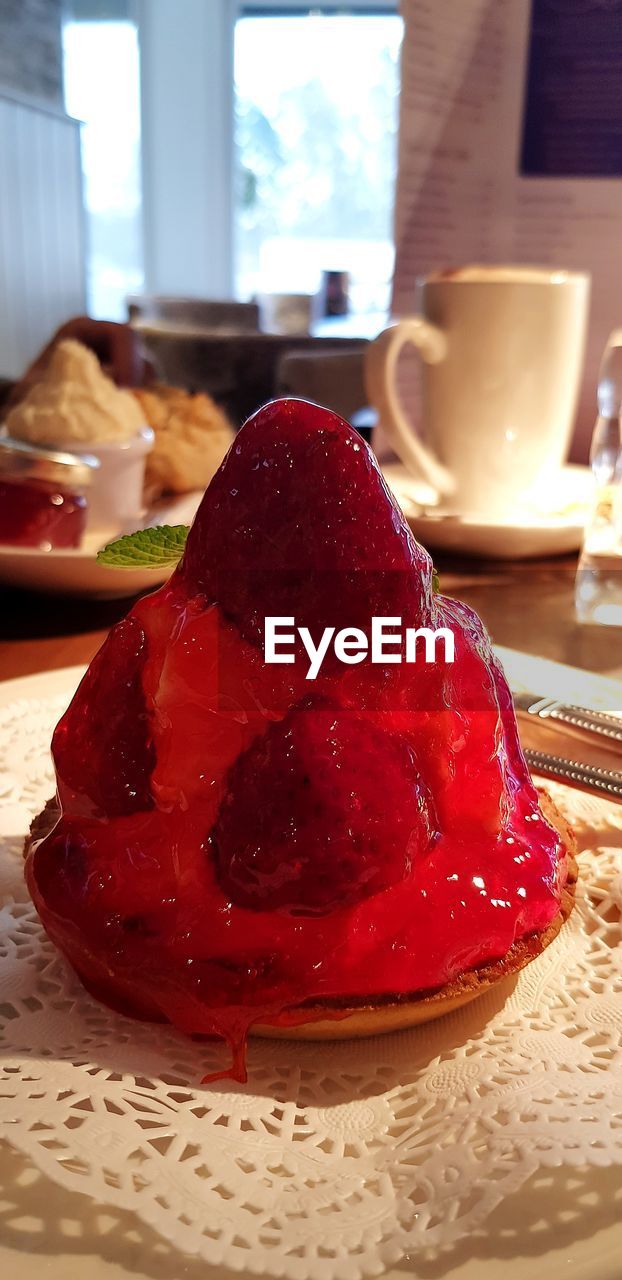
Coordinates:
(335, 1160)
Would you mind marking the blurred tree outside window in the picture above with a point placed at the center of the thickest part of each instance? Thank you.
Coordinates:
(316, 112)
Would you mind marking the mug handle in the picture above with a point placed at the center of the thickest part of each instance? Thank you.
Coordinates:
(381, 358)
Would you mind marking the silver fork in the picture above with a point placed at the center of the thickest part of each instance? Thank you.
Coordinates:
(599, 722)
(607, 782)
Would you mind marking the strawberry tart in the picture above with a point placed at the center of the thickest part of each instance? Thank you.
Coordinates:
(235, 847)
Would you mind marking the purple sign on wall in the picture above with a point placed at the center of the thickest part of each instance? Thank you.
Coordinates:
(573, 94)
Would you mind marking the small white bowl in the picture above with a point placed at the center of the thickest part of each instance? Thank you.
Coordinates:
(115, 496)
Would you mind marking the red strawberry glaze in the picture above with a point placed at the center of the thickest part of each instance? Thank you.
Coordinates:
(236, 840)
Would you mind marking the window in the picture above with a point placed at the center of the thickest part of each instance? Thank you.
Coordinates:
(305, 185)
(316, 107)
(102, 88)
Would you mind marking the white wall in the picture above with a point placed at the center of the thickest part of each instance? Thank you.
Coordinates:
(42, 275)
(186, 51)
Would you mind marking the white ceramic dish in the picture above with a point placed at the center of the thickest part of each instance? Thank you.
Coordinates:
(79, 573)
(115, 495)
(551, 524)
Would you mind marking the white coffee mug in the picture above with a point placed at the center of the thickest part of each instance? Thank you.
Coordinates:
(502, 350)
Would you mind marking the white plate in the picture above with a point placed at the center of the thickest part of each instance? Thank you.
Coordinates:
(544, 527)
(79, 573)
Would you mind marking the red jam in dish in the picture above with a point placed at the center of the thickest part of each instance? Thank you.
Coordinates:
(237, 841)
(38, 514)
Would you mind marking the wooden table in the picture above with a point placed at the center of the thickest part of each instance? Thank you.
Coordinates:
(526, 605)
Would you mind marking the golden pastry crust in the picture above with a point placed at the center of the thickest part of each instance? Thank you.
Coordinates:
(192, 436)
(352, 1018)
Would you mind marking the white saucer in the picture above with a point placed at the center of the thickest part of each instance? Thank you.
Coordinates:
(549, 523)
(79, 573)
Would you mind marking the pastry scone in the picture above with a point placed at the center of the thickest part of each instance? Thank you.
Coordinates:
(192, 435)
(236, 847)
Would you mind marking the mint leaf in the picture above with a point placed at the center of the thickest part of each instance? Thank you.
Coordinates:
(436, 585)
(155, 548)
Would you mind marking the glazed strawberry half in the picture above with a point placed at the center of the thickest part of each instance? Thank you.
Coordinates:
(236, 845)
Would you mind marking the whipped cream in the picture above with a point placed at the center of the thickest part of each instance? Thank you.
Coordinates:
(74, 401)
